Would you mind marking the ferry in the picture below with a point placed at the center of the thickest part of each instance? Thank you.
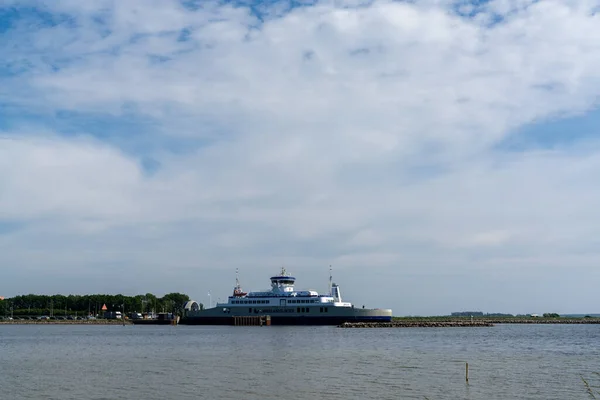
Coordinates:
(284, 305)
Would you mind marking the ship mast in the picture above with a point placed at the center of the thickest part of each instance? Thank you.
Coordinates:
(330, 281)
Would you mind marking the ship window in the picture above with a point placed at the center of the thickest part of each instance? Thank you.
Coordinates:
(250, 309)
(298, 310)
(307, 309)
(326, 309)
(321, 309)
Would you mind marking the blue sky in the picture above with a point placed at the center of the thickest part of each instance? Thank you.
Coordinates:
(441, 155)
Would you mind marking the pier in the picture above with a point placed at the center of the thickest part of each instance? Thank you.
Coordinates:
(258, 320)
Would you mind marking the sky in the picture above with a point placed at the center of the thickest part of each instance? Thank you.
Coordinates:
(440, 155)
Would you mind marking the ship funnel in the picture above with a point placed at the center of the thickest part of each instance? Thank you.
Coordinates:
(335, 293)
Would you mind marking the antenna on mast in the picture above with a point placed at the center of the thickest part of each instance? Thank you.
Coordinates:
(330, 279)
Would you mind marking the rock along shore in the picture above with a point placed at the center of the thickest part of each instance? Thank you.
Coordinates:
(545, 321)
(447, 323)
(415, 324)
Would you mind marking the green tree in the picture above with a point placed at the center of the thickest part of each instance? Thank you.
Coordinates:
(551, 315)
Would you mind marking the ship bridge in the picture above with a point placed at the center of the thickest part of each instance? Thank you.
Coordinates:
(282, 283)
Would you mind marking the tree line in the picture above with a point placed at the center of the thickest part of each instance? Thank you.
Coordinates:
(32, 304)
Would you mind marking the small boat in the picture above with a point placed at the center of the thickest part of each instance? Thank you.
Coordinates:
(161, 319)
(237, 290)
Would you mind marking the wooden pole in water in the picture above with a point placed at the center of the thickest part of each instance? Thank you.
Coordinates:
(467, 372)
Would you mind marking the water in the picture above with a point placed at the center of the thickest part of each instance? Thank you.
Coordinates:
(196, 362)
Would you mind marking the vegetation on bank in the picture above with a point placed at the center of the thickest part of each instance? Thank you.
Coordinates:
(61, 305)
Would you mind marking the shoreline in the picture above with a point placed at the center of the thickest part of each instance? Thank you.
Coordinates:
(68, 322)
(397, 322)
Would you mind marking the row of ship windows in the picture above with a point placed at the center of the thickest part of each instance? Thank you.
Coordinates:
(250, 302)
(267, 301)
(298, 309)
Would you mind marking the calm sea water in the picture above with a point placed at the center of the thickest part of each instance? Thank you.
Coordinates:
(195, 362)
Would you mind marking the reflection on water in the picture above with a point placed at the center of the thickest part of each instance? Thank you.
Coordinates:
(191, 362)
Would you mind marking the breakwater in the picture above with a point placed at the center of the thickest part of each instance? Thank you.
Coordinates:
(545, 321)
(437, 322)
(416, 324)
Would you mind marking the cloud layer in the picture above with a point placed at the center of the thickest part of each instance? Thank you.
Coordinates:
(165, 144)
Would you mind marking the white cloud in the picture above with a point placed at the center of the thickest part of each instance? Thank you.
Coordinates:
(362, 137)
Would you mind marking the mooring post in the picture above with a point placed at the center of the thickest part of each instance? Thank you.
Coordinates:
(467, 372)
